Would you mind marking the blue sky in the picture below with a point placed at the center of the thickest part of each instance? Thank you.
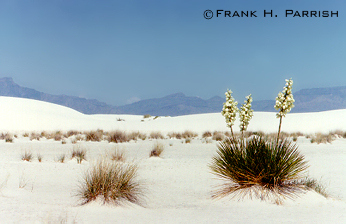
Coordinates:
(115, 51)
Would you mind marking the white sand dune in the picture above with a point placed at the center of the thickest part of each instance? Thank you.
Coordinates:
(178, 185)
(19, 114)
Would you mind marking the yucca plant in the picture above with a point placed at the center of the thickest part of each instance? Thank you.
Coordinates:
(265, 169)
(112, 182)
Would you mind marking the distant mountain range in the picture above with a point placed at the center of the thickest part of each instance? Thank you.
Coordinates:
(307, 100)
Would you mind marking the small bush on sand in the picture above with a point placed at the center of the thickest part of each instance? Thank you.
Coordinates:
(27, 156)
(157, 149)
(156, 135)
(259, 167)
(61, 158)
(39, 157)
(146, 116)
(94, 136)
(206, 134)
(218, 136)
(117, 137)
(78, 153)
(35, 136)
(118, 155)
(112, 182)
(322, 138)
(189, 134)
(9, 138)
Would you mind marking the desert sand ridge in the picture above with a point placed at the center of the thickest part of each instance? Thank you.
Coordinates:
(19, 114)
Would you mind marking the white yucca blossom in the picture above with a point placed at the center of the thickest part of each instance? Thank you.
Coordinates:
(284, 100)
(230, 109)
(245, 113)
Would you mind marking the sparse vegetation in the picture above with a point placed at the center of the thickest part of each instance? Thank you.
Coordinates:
(39, 157)
(112, 182)
(146, 116)
(94, 136)
(118, 155)
(27, 156)
(156, 135)
(117, 137)
(78, 153)
(61, 158)
(206, 134)
(157, 149)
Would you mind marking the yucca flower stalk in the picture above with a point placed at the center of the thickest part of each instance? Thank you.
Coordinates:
(284, 103)
(245, 114)
(229, 110)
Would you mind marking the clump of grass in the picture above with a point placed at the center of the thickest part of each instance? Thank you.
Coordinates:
(112, 182)
(189, 134)
(206, 134)
(35, 136)
(57, 136)
(27, 156)
(79, 154)
(312, 184)
(26, 134)
(72, 133)
(218, 136)
(322, 138)
(174, 135)
(188, 140)
(39, 157)
(118, 155)
(156, 135)
(265, 169)
(94, 136)
(63, 141)
(157, 149)
(8, 138)
(117, 137)
(146, 116)
(61, 158)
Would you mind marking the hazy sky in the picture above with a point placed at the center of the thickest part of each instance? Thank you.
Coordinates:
(115, 51)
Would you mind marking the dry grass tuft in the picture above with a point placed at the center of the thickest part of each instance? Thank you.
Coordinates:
(322, 138)
(207, 134)
(118, 155)
(117, 137)
(112, 182)
(189, 134)
(218, 136)
(94, 136)
(78, 153)
(157, 149)
(156, 135)
(61, 158)
(27, 156)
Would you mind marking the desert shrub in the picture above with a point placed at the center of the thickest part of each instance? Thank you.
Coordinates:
(157, 149)
(27, 156)
(189, 134)
(35, 136)
(112, 182)
(72, 133)
(146, 116)
(135, 135)
(156, 135)
(187, 140)
(322, 138)
(9, 138)
(156, 117)
(63, 141)
(39, 157)
(206, 134)
(265, 169)
(26, 135)
(61, 158)
(218, 136)
(118, 155)
(78, 153)
(94, 136)
(57, 136)
(117, 137)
